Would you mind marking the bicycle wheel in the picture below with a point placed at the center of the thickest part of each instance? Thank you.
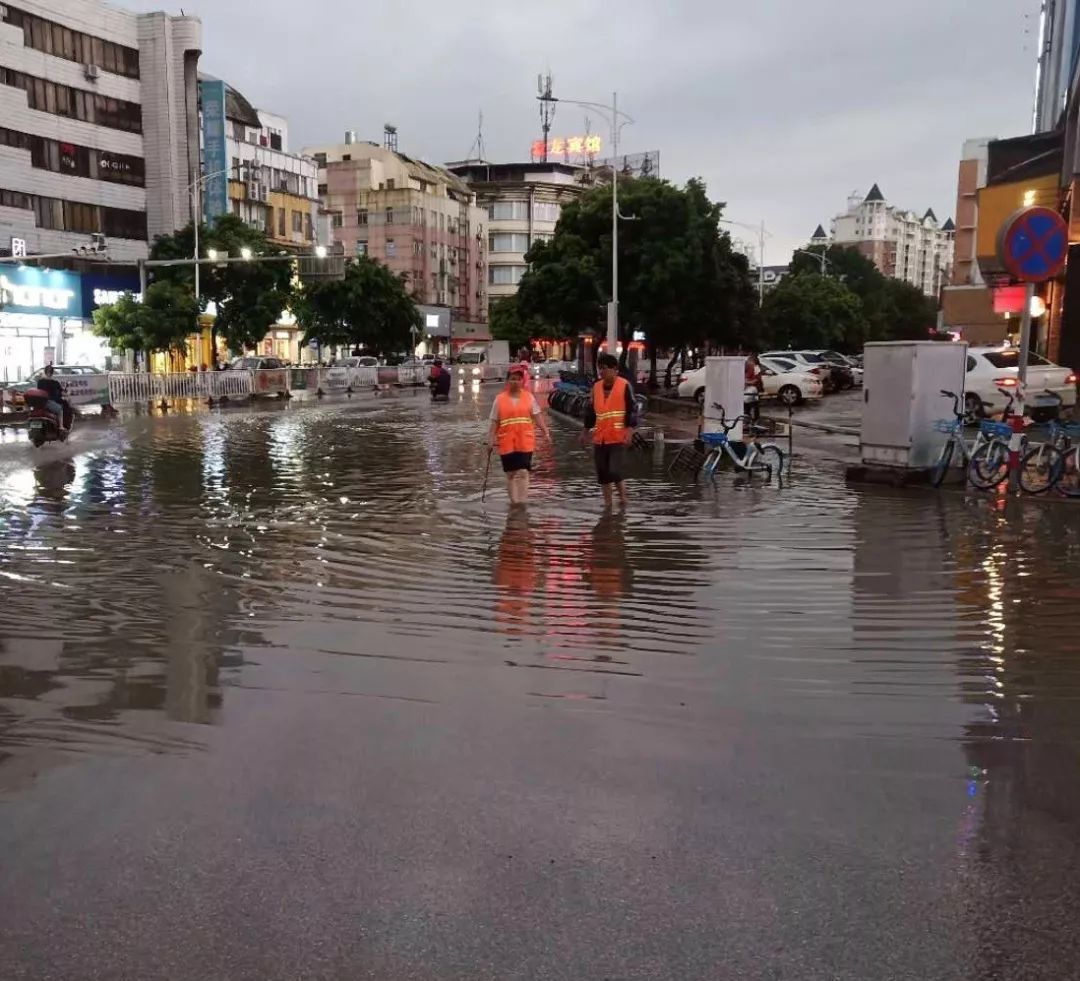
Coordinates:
(1069, 482)
(712, 461)
(989, 465)
(1041, 468)
(773, 458)
(941, 468)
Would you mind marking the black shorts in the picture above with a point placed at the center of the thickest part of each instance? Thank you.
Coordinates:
(610, 462)
(512, 462)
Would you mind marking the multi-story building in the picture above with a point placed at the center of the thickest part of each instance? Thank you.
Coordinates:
(523, 203)
(1059, 55)
(98, 125)
(900, 243)
(269, 187)
(416, 218)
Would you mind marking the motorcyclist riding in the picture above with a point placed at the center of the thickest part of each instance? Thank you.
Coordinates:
(57, 404)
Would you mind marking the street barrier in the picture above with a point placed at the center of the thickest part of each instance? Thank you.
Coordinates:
(129, 388)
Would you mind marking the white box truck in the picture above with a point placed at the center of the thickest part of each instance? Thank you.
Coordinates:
(484, 361)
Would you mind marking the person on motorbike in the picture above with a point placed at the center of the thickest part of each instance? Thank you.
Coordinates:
(57, 404)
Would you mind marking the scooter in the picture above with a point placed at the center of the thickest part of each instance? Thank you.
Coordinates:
(44, 427)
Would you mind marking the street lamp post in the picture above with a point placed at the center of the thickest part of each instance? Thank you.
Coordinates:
(820, 256)
(612, 114)
(760, 229)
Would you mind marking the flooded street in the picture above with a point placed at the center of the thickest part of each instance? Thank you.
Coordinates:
(281, 698)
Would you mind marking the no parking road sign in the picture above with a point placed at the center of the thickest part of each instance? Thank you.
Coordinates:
(1033, 243)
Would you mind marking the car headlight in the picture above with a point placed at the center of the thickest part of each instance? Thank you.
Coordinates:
(475, 371)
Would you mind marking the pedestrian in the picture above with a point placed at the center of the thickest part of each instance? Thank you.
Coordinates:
(515, 417)
(611, 419)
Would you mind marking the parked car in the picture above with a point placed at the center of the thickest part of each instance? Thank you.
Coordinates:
(15, 395)
(993, 372)
(549, 368)
(788, 382)
(836, 358)
(255, 363)
(782, 379)
(810, 361)
(357, 361)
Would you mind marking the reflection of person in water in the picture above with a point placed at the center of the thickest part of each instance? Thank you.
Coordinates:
(52, 479)
(609, 572)
(515, 573)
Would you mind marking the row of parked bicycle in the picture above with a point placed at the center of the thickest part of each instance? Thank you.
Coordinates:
(1053, 463)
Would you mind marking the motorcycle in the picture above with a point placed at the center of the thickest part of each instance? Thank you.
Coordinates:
(44, 427)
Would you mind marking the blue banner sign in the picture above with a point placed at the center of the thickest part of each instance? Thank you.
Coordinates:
(215, 189)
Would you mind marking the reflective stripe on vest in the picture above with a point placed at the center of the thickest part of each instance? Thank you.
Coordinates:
(516, 433)
(610, 412)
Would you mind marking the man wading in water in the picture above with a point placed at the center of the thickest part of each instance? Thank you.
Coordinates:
(515, 416)
(611, 420)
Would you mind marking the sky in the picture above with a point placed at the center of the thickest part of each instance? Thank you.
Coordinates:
(784, 107)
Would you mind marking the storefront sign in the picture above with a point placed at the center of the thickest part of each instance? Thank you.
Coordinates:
(48, 292)
(105, 289)
(215, 194)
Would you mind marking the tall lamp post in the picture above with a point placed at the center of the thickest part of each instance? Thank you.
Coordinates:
(612, 114)
(760, 229)
(820, 256)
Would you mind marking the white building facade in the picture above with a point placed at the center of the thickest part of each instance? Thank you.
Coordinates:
(901, 244)
(98, 125)
(523, 203)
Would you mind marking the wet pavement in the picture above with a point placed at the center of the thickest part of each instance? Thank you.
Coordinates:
(280, 698)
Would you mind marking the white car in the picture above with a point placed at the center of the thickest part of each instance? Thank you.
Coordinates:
(781, 378)
(993, 373)
(357, 361)
(549, 368)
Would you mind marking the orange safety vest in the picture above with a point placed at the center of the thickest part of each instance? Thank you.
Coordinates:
(610, 412)
(517, 431)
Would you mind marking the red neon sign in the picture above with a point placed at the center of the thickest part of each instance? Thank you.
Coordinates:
(568, 147)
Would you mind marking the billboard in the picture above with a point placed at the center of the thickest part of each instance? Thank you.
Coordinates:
(46, 292)
(215, 191)
(645, 164)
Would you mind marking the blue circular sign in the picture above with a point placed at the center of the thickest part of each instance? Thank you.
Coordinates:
(1033, 244)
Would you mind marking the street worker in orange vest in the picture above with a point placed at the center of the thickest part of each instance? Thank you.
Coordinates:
(515, 417)
(611, 420)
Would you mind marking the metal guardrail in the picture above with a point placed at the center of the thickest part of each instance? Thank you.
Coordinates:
(129, 388)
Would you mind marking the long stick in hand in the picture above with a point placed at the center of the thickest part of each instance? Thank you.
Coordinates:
(487, 471)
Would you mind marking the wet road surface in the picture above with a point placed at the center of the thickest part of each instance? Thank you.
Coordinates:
(281, 699)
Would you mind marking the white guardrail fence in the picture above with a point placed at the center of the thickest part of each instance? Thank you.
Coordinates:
(130, 388)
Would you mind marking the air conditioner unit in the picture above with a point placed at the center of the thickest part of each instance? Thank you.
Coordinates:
(92, 72)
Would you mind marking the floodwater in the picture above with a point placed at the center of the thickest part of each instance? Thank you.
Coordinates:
(281, 698)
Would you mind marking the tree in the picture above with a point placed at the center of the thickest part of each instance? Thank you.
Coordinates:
(679, 278)
(370, 308)
(249, 296)
(808, 311)
(161, 321)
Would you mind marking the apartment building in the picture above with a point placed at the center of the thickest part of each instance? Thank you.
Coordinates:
(416, 218)
(268, 186)
(98, 125)
(900, 243)
(523, 202)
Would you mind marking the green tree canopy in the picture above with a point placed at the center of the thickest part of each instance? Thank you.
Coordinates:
(808, 311)
(250, 296)
(161, 321)
(679, 279)
(369, 308)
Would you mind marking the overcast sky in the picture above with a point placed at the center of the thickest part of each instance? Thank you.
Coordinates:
(785, 107)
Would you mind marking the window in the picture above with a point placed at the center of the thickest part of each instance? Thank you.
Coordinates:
(346, 156)
(361, 248)
(389, 182)
(434, 283)
(389, 216)
(417, 248)
(320, 159)
(361, 216)
(298, 222)
(508, 242)
(63, 42)
(1010, 359)
(546, 211)
(336, 220)
(391, 249)
(74, 216)
(281, 222)
(307, 226)
(322, 190)
(509, 211)
(61, 100)
(434, 251)
(505, 275)
(275, 140)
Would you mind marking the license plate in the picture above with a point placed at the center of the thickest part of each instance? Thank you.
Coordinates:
(36, 426)
(1044, 401)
